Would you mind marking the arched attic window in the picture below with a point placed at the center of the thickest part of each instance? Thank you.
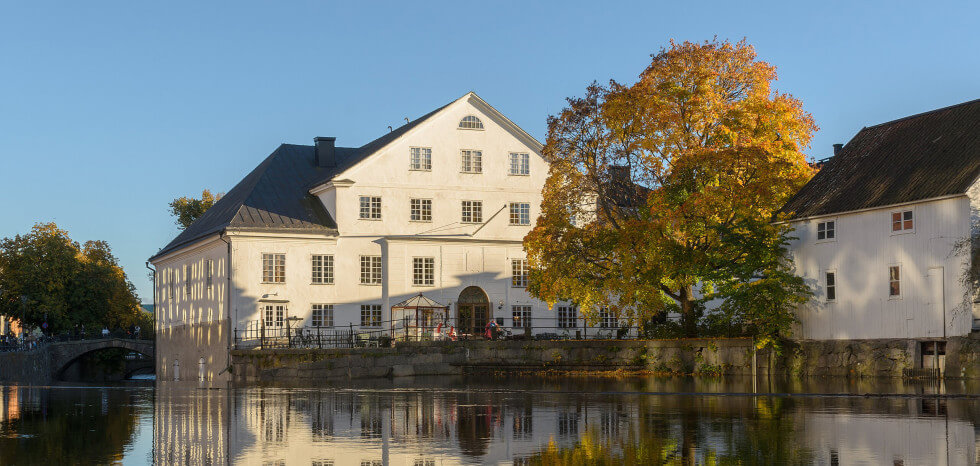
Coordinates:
(470, 122)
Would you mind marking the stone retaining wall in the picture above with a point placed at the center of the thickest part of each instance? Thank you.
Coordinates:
(26, 367)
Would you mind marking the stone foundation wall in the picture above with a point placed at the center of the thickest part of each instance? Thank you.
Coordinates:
(26, 367)
(187, 345)
(875, 358)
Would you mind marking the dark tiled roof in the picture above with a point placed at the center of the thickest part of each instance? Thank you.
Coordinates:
(922, 156)
(275, 195)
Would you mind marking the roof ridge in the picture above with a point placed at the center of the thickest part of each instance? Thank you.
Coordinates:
(921, 114)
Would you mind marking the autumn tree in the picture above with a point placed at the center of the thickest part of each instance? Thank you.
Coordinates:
(661, 194)
(188, 209)
(45, 277)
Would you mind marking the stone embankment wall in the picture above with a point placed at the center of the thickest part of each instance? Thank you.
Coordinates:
(736, 356)
(26, 367)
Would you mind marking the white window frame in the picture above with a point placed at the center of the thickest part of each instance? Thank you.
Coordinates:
(373, 314)
(829, 230)
(520, 213)
(897, 280)
(473, 210)
(420, 210)
(567, 316)
(470, 122)
(520, 164)
(828, 286)
(420, 159)
(607, 319)
(321, 315)
(471, 161)
(519, 273)
(321, 273)
(209, 271)
(369, 207)
(373, 274)
(520, 316)
(423, 271)
(274, 315)
(187, 280)
(273, 267)
(903, 221)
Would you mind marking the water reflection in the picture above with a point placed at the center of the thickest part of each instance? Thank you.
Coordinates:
(487, 421)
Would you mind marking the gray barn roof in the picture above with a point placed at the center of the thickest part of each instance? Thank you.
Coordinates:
(275, 195)
(923, 156)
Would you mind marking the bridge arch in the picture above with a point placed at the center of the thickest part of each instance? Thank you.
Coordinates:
(63, 354)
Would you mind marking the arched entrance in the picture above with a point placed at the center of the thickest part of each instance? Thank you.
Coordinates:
(472, 310)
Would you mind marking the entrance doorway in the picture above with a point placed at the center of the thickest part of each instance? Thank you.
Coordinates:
(472, 311)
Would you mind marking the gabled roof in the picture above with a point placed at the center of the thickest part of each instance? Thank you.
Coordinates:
(275, 195)
(924, 156)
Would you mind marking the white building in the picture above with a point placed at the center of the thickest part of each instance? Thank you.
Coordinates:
(336, 235)
(881, 227)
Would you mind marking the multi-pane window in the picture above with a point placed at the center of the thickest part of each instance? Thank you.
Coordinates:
(421, 210)
(519, 272)
(607, 319)
(470, 122)
(170, 284)
(520, 213)
(567, 317)
(322, 315)
(521, 315)
(831, 286)
(894, 281)
(209, 270)
(273, 268)
(370, 315)
(472, 212)
(421, 158)
(187, 280)
(371, 270)
(322, 265)
(826, 230)
(902, 221)
(423, 271)
(520, 163)
(370, 207)
(472, 161)
(274, 315)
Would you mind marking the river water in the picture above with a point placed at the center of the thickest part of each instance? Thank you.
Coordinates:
(483, 420)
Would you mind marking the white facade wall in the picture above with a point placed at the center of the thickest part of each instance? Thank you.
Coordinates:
(933, 301)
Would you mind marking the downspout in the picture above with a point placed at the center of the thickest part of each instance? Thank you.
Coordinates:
(156, 316)
(231, 335)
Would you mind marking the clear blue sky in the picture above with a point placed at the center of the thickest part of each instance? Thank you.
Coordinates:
(109, 110)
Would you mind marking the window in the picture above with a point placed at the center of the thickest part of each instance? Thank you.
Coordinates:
(522, 316)
(274, 315)
(370, 270)
(322, 269)
(607, 319)
(519, 271)
(831, 286)
(894, 281)
(273, 268)
(472, 161)
(520, 163)
(421, 158)
(187, 280)
(902, 221)
(170, 284)
(421, 210)
(370, 208)
(825, 230)
(423, 271)
(520, 213)
(209, 270)
(472, 211)
(470, 122)
(370, 315)
(322, 315)
(567, 317)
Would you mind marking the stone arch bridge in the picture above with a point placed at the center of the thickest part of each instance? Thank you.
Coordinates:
(45, 364)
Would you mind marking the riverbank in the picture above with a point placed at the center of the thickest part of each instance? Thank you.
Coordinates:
(721, 357)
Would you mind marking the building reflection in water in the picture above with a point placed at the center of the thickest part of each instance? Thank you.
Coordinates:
(323, 426)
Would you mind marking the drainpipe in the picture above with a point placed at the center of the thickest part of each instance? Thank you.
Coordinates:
(154, 281)
(231, 323)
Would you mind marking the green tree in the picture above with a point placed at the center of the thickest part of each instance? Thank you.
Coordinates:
(47, 277)
(661, 194)
(188, 209)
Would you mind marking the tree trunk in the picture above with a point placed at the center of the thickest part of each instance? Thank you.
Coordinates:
(688, 319)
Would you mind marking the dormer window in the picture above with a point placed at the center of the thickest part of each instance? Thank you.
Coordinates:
(470, 122)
